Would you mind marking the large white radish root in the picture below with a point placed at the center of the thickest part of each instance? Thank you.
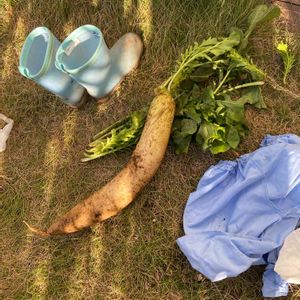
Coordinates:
(123, 188)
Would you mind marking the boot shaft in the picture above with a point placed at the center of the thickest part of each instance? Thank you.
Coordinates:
(37, 62)
(85, 56)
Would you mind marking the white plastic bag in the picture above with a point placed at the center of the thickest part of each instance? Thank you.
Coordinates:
(5, 131)
(287, 265)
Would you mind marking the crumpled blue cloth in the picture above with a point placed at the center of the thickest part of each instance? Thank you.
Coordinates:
(243, 210)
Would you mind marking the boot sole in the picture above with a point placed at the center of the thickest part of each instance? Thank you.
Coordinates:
(105, 98)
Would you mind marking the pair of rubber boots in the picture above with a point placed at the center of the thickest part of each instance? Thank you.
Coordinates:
(81, 62)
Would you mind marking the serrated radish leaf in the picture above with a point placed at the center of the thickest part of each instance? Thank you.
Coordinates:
(260, 14)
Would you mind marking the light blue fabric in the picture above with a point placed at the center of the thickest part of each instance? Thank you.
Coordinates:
(242, 211)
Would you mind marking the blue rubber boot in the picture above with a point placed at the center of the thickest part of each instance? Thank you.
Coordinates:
(37, 62)
(85, 56)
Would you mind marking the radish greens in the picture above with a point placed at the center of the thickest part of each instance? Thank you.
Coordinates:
(211, 84)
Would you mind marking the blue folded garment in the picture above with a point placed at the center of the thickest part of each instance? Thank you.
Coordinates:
(243, 210)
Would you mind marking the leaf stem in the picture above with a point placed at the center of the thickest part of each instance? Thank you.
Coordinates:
(102, 137)
(222, 82)
(108, 129)
(241, 86)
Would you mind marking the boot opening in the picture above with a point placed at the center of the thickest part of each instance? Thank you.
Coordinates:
(34, 54)
(80, 49)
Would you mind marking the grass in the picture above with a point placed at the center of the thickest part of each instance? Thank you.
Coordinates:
(134, 255)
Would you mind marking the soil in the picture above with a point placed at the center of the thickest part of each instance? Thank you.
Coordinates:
(290, 10)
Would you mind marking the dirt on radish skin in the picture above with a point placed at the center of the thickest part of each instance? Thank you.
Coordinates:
(123, 188)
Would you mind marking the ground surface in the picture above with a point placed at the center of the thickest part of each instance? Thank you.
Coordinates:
(134, 255)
